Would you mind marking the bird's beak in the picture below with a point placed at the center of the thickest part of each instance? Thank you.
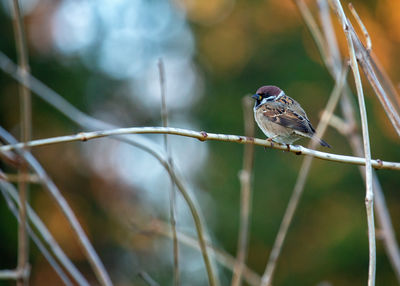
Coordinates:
(256, 96)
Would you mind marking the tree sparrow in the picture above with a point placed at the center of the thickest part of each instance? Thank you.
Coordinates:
(281, 118)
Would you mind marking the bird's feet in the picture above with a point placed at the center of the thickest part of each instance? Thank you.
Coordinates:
(271, 140)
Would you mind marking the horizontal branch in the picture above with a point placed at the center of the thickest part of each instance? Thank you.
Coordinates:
(14, 274)
(204, 136)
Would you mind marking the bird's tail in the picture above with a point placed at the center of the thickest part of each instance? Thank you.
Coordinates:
(320, 141)
(323, 143)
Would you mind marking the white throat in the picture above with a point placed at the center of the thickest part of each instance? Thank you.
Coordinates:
(280, 95)
(267, 99)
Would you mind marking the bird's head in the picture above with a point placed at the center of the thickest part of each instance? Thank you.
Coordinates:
(266, 93)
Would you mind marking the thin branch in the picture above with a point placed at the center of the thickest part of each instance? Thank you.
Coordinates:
(7, 190)
(204, 136)
(83, 240)
(88, 122)
(340, 125)
(245, 177)
(314, 30)
(224, 258)
(47, 237)
(25, 119)
(349, 129)
(369, 69)
(300, 183)
(31, 178)
(14, 274)
(375, 76)
(172, 199)
(332, 54)
(362, 27)
(369, 199)
(384, 79)
(147, 278)
(382, 214)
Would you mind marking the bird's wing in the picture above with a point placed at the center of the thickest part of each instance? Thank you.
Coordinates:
(291, 103)
(287, 117)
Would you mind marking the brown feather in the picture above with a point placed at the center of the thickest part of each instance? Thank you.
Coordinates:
(276, 113)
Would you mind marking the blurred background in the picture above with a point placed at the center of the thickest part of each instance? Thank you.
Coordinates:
(102, 56)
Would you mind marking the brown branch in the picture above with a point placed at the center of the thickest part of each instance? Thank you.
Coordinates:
(25, 121)
(362, 27)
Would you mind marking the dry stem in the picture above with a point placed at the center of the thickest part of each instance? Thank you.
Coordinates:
(369, 198)
(224, 258)
(204, 136)
(25, 119)
(245, 177)
(348, 128)
(46, 235)
(362, 27)
(84, 242)
(172, 199)
(8, 190)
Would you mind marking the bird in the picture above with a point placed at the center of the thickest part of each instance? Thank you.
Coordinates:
(281, 118)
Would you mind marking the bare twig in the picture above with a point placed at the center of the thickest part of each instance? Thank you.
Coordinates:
(369, 199)
(362, 27)
(245, 177)
(31, 178)
(300, 183)
(147, 278)
(84, 242)
(331, 54)
(313, 27)
(47, 237)
(7, 190)
(25, 117)
(349, 126)
(224, 258)
(14, 274)
(88, 122)
(340, 125)
(383, 78)
(377, 78)
(204, 136)
(382, 215)
(172, 199)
